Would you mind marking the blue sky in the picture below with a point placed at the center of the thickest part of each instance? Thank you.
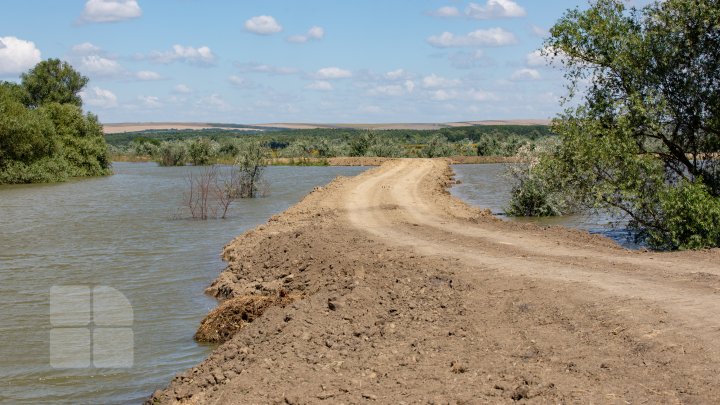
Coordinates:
(255, 61)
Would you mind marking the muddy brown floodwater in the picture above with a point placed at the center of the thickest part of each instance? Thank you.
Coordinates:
(403, 294)
(118, 232)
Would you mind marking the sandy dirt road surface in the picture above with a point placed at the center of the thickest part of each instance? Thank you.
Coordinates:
(388, 290)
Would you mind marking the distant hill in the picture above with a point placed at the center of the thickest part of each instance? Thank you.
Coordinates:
(117, 128)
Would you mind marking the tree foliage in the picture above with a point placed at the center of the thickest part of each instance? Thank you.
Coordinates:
(53, 81)
(647, 124)
(251, 162)
(44, 134)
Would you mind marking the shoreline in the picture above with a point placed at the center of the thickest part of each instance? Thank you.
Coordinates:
(340, 160)
(384, 287)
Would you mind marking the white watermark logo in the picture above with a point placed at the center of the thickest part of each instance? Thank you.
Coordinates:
(91, 327)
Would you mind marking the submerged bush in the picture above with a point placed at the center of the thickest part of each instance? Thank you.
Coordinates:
(535, 191)
(172, 154)
(203, 151)
(691, 218)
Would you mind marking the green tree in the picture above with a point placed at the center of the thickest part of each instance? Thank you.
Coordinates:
(44, 135)
(53, 81)
(648, 119)
(251, 163)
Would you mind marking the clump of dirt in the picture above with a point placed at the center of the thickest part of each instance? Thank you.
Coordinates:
(223, 322)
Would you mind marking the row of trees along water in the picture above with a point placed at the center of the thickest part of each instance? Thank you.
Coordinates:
(44, 134)
(201, 147)
(642, 139)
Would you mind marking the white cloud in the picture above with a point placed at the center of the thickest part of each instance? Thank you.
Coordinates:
(262, 68)
(321, 85)
(202, 55)
(446, 11)
(525, 74)
(110, 10)
(395, 74)
(97, 97)
(488, 37)
(333, 73)
(480, 95)
(393, 90)
(86, 48)
(263, 25)
(495, 9)
(536, 57)
(434, 82)
(182, 89)
(241, 82)
(314, 33)
(150, 101)
(409, 86)
(17, 55)
(148, 75)
(98, 65)
(491, 9)
(443, 95)
(467, 95)
(237, 80)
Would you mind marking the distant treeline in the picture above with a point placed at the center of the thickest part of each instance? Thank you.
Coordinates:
(208, 145)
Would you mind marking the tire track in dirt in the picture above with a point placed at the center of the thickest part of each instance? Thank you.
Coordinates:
(415, 222)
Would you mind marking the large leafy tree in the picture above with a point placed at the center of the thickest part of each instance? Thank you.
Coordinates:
(53, 81)
(44, 134)
(642, 135)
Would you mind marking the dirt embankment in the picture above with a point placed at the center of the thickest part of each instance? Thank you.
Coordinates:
(383, 288)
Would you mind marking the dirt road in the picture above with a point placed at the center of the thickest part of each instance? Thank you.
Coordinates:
(386, 289)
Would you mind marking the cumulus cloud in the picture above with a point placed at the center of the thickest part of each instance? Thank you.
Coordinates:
(99, 66)
(525, 74)
(150, 101)
(182, 89)
(102, 11)
(148, 75)
(200, 56)
(488, 37)
(313, 34)
(321, 85)
(97, 97)
(491, 9)
(434, 81)
(466, 95)
(443, 95)
(263, 25)
(396, 74)
(253, 67)
(86, 48)
(409, 86)
(393, 90)
(495, 9)
(333, 73)
(446, 11)
(17, 55)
